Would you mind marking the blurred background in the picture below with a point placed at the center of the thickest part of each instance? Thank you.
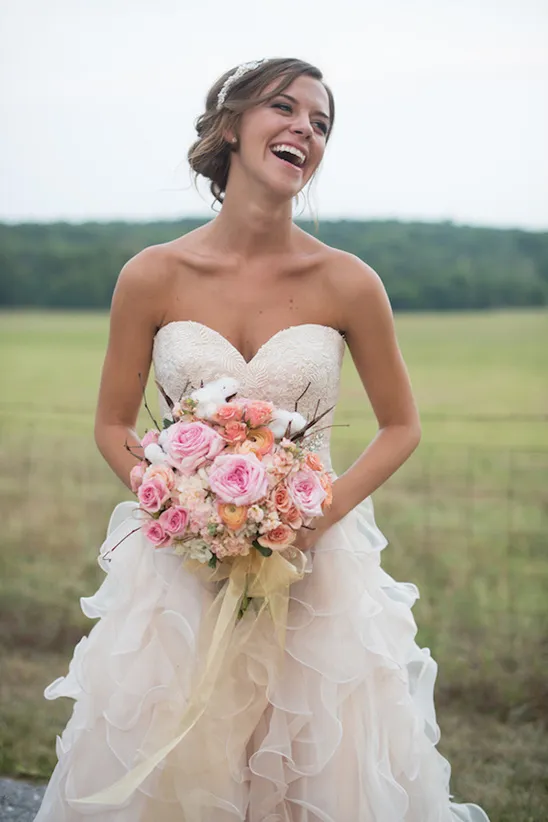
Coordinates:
(437, 176)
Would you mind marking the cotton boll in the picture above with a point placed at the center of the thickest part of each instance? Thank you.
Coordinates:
(212, 395)
(281, 419)
(155, 454)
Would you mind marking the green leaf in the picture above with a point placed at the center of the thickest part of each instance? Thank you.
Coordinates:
(167, 422)
(213, 561)
(262, 549)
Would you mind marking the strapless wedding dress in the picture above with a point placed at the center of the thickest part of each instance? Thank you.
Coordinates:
(341, 728)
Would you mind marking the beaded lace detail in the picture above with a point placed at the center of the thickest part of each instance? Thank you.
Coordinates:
(187, 351)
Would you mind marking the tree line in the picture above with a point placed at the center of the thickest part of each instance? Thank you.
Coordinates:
(424, 266)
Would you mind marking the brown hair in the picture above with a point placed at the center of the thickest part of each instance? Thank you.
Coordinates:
(210, 154)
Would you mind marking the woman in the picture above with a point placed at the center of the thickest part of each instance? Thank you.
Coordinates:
(341, 727)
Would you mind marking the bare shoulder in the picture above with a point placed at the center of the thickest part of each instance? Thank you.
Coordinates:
(355, 287)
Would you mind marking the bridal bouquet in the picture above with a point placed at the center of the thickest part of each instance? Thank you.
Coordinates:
(227, 475)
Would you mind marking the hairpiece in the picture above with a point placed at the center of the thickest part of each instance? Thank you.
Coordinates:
(242, 69)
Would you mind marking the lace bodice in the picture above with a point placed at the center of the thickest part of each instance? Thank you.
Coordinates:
(185, 351)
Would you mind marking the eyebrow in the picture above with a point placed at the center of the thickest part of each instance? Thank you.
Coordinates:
(296, 102)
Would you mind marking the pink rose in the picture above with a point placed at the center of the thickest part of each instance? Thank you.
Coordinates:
(258, 413)
(136, 475)
(190, 444)
(174, 520)
(150, 437)
(152, 494)
(307, 492)
(155, 533)
(238, 478)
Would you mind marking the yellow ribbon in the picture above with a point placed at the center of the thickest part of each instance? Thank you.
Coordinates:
(265, 578)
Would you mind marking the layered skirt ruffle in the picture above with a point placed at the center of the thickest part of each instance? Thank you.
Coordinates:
(339, 726)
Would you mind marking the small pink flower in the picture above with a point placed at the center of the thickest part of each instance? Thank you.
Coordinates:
(307, 492)
(150, 437)
(190, 444)
(174, 520)
(232, 547)
(152, 494)
(155, 533)
(136, 475)
(238, 478)
(258, 413)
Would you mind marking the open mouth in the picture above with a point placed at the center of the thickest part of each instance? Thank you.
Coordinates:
(289, 154)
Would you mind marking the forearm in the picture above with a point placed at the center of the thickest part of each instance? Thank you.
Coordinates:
(110, 440)
(389, 449)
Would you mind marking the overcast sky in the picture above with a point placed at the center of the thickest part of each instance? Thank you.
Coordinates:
(441, 104)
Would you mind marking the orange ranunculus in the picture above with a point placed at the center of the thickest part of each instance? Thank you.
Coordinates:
(314, 462)
(293, 518)
(234, 516)
(278, 538)
(327, 484)
(281, 499)
(262, 441)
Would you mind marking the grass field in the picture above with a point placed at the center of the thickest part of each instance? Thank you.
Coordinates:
(466, 518)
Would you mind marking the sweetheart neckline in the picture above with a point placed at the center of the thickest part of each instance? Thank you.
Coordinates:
(262, 346)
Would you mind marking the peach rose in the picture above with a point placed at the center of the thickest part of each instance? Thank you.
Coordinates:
(229, 411)
(314, 462)
(293, 518)
(262, 440)
(278, 538)
(281, 498)
(234, 516)
(327, 485)
(233, 431)
(164, 472)
(258, 413)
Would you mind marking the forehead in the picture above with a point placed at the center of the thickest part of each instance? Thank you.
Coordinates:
(307, 91)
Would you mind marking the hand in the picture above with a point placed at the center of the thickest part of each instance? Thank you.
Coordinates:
(308, 537)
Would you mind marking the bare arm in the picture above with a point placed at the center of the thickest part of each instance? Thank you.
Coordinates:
(134, 318)
(369, 325)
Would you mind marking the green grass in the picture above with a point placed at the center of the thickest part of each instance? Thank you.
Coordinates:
(466, 520)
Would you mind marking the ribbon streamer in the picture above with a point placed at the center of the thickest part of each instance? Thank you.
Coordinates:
(262, 578)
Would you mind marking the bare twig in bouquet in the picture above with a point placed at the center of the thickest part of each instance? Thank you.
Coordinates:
(299, 398)
(167, 398)
(183, 392)
(143, 387)
(128, 448)
(105, 555)
(299, 434)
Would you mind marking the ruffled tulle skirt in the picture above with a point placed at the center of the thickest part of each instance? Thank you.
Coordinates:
(339, 727)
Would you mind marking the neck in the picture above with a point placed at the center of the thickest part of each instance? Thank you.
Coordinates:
(251, 224)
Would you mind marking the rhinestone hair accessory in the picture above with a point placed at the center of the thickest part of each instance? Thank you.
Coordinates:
(242, 69)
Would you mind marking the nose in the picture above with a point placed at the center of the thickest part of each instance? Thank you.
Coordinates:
(302, 126)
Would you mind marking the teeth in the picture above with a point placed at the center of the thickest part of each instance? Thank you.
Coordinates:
(290, 150)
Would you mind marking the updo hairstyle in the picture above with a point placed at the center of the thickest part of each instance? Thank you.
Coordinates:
(209, 156)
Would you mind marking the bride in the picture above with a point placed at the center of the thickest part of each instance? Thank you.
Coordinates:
(341, 727)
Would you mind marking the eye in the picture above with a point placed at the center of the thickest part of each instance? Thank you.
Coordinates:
(285, 106)
(322, 126)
